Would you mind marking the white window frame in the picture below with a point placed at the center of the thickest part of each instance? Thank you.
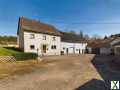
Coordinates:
(54, 38)
(44, 37)
(32, 36)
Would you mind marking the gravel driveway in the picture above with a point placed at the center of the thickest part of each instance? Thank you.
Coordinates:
(73, 72)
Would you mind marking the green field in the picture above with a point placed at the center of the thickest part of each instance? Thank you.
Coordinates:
(5, 51)
(17, 53)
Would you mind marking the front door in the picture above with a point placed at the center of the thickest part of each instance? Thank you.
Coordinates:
(44, 48)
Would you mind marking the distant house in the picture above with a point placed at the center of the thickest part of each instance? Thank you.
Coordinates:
(44, 39)
(116, 46)
(108, 46)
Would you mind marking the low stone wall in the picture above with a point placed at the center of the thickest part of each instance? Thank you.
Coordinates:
(7, 59)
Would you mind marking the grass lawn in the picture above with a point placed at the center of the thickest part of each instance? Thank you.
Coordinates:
(5, 51)
(17, 53)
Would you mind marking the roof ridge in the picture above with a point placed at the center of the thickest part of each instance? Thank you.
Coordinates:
(37, 21)
(37, 26)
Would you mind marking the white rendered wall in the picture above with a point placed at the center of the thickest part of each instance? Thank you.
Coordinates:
(115, 41)
(20, 39)
(73, 48)
(38, 42)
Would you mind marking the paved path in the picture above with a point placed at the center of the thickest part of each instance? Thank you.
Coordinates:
(67, 73)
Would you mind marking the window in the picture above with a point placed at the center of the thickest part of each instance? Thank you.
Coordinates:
(54, 38)
(32, 47)
(53, 47)
(32, 36)
(44, 37)
(63, 48)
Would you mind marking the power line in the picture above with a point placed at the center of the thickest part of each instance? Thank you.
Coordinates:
(107, 23)
(63, 21)
(87, 23)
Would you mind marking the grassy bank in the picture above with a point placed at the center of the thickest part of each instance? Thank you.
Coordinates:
(17, 53)
(5, 51)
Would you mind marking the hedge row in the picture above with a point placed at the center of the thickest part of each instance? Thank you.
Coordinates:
(25, 56)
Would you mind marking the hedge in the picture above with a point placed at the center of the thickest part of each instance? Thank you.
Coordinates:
(25, 56)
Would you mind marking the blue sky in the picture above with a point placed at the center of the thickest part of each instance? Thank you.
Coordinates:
(100, 17)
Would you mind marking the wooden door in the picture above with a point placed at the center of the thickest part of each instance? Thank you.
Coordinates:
(44, 48)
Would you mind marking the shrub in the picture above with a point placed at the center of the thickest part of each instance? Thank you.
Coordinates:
(25, 56)
(14, 49)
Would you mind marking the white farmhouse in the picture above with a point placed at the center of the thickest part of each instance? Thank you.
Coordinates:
(44, 39)
(37, 37)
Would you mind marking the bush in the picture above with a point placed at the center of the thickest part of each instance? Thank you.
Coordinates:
(25, 56)
(14, 49)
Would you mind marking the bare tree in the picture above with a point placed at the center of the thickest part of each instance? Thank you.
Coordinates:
(96, 37)
(72, 32)
(86, 37)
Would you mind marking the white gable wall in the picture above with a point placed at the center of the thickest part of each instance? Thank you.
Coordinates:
(20, 40)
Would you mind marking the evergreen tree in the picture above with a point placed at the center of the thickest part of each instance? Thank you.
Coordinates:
(81, 36)
(105, 37)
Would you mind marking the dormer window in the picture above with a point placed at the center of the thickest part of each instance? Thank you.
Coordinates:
(32, 36)
(44, 37)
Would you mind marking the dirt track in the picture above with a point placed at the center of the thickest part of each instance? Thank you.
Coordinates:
(75, 72)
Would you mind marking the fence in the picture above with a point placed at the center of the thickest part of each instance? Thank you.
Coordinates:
(7, 59)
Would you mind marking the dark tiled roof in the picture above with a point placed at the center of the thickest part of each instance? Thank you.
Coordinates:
(70, 37)
(37, 26)
(116, 35)
(100, 43)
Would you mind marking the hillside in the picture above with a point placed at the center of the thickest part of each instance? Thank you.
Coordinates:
(4, 40)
